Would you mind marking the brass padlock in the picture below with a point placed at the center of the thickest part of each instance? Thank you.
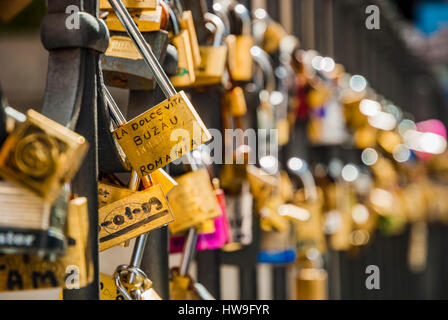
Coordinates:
(146, 20)
(131, 4)
(236, 102)
(184, 288)
(185, 75)
(187, 23)
(213, 57)
(162, 134)
(311, 284)
(191, 204)
(42, 155)
(239, 59)
(128, 214)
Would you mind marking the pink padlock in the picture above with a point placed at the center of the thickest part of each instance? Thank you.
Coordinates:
(209, 241)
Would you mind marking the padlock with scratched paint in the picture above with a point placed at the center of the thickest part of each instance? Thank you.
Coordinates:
(41, 155)
(179, 37)
(239, 58)
(72, 270)
(214, 56)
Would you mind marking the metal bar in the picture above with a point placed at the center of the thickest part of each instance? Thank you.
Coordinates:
(187, 256)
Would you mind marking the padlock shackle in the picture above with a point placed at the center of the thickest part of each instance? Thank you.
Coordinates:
(188, 252)
(114, 110)
(305, 175)
(144, 49)
(222, 13)
(220, 28)
(246, 22)
(264, 61)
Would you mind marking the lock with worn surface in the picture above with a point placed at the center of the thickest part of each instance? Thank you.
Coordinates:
(72, 270)
(185, 74)
(214, 56)
(239, 59)
(42, 155)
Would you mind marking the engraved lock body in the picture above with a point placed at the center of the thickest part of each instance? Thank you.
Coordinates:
(185, 74)
(41, 155)
(213, 57)
(146, 20)
(149, 141)
(131, 4)
(125, 214)
(239, 59)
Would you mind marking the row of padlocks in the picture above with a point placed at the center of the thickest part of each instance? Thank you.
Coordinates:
(163, 166)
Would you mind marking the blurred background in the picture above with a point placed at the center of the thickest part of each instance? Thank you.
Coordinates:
(405, 60)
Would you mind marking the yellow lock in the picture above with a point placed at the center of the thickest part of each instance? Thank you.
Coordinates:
(236, 102)
(311, 284)
(193, 201)
(214, 57)
(187, 23)
(131, 4)
(185, 74)
(42, 155)
(146, 20)
(273, 37)
(239, 46)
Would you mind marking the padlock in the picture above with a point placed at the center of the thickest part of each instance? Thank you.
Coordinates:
(131, 4)
(214, 57)
(185, 74)
(239, 58)
(138, 289)
(42, 155)
(268, 33)
(187, 23)
(124, 67)
(236, 102)
(312, 279)
(146, 20)
(71, 271)
(31, 225)
(182, 287)
(208, 240)
(192, 205)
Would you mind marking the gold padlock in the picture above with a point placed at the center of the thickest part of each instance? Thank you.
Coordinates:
(131, 216)
(239, 46)
(193, 201)
(214, 57)
(146, 20)
(236, 102)
(311, 284)
(273, 36)
(185, 74)
(187, 23)
(162, 134)
(42, 155)
(131, 4)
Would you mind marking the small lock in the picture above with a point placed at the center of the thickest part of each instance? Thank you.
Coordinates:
(122, 64)
(42, 155)
(146, 20)
(183, 287)
(236, 102)
(131, 4)
(214, 57)
(31, 225)
(311, 284)
(187, 23)
(208, 240)
(239, 59)
(193, 201)
(185, 74)
(124, 218)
